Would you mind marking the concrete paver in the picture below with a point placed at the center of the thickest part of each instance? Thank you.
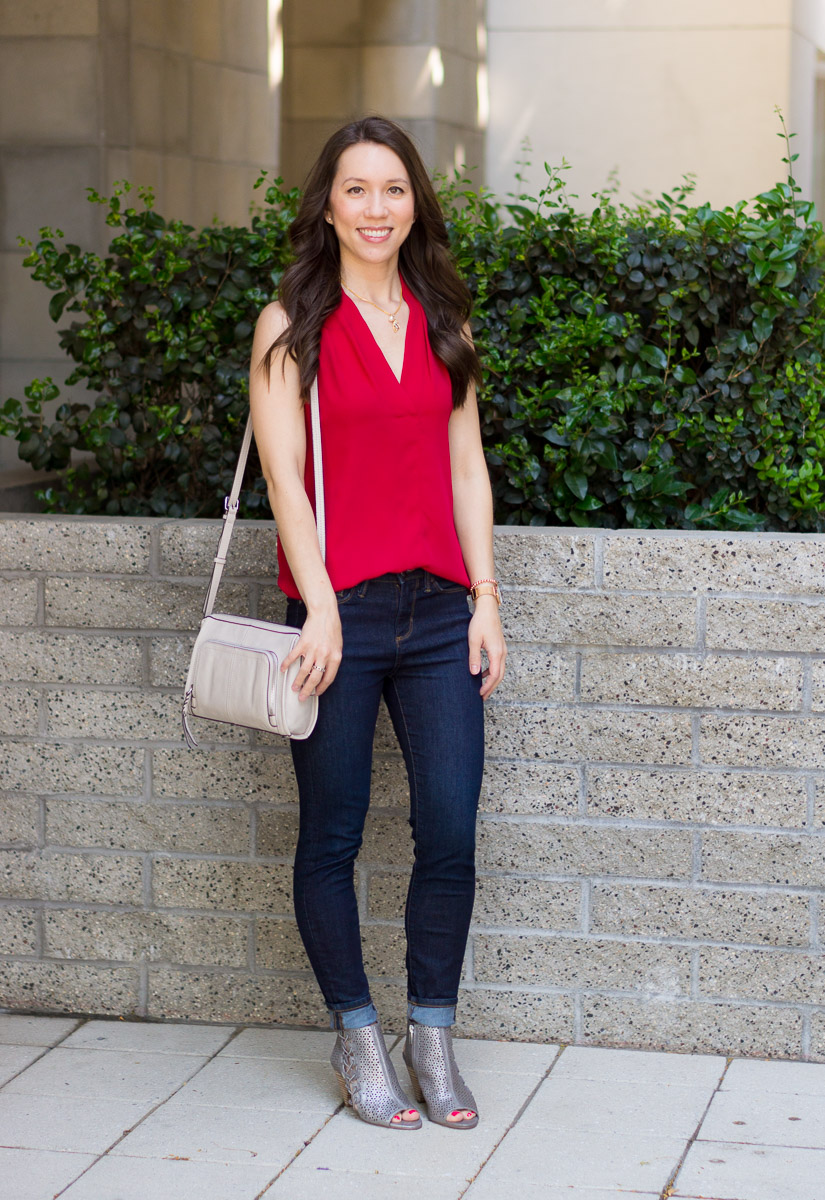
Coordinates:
(298, 1183)
(261, 1083)
(629, 1161)
(280, 1043)
(540, 1189)
(14, 1059)
(160, 1179)
(117, 1110)
(119, 1075)
(39, 1174)
(726, 1171)
(174, 1038)
(58, 1123)
(764, 1117)
(180, 1129)
(19, 1030)
(610, 1106)
(763, 1137)
(803, 1079)
(637, 1066)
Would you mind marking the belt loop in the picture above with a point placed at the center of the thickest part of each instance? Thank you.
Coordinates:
(428, 582)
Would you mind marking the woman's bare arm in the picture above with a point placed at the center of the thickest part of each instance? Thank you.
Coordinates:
(280, 435)
(473, 515)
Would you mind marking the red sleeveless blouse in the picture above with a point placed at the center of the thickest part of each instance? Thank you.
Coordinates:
(387, 479)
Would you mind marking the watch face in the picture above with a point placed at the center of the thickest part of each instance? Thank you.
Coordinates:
(490, 589)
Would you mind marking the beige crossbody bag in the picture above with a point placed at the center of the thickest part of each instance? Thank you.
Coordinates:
(235, 672)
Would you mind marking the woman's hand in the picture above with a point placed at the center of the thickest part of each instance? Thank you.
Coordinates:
(485, 634)
(319, 645)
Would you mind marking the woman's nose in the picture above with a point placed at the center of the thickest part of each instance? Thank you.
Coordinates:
(376, 204)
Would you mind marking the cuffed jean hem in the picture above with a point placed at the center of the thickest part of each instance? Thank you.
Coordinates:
(429, 1014)
(353, 1018)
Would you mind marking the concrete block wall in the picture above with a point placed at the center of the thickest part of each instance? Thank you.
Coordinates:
(652, 834)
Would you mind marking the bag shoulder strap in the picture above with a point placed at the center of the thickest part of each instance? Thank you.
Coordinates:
(231, 503)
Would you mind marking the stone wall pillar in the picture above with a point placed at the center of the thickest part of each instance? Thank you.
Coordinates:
(182, 95)
(417, 63)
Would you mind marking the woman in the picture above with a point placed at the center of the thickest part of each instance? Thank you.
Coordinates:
(374, 306)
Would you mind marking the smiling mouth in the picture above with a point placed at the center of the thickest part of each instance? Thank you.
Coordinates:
(375, 235)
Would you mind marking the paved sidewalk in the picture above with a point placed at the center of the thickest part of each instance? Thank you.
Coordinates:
(116, 1110)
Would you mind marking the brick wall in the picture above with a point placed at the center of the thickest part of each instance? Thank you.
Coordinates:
(652, 838)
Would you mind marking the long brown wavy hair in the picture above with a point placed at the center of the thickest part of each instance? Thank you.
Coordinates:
(310, 289)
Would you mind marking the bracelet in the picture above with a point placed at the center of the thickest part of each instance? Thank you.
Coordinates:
(475, 589)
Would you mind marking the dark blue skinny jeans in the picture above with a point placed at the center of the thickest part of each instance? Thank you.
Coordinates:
(405, 638)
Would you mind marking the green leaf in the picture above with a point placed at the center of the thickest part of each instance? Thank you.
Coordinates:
(57, 304)
(556, 438)
(12, 408)
(180, 295)
(785, 275)
(607, 457)
(577, 483)
(654, 356)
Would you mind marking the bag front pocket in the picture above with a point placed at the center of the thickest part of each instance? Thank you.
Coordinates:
(236, 683)
(235, 677)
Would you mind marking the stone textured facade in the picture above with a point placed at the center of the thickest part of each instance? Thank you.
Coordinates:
(651, 850)
(635, 87)
(193, 98)
(420, 62)
(171, 94)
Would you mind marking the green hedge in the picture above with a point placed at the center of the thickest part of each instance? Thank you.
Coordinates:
(657, 366)
(649, 366)
(163, 344)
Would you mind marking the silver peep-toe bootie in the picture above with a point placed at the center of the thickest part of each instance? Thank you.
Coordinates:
(434, 1075)
(367, 1078)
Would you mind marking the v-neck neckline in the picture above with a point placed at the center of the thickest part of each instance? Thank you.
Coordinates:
(398, 378)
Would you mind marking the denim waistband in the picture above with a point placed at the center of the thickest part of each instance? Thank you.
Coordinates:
(417, 577)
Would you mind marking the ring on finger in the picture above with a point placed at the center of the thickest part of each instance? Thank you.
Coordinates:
(317, 667)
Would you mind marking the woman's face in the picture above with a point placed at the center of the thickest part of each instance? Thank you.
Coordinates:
(371, 205)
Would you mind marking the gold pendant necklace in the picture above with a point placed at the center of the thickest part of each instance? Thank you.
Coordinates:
(391, 316)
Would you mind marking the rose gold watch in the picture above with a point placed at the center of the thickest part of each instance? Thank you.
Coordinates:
(486, 587)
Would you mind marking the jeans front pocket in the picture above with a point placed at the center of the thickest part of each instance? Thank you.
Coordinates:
(347, 594)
